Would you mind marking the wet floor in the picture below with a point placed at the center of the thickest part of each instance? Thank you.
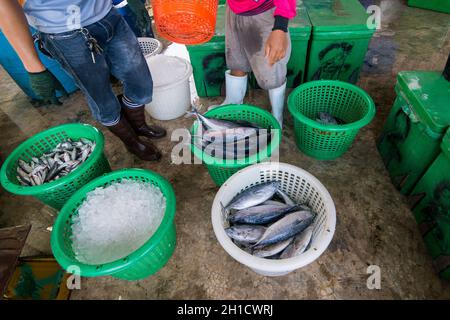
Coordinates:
(374, 224)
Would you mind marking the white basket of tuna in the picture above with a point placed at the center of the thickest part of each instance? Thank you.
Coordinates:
(171, 91)
(150, 46)
(302, 188)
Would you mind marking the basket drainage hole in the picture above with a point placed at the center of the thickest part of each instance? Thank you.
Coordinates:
(328, 230)
(315, 249)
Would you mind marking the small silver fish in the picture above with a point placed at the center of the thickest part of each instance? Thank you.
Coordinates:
(25, 166)
(60, 161)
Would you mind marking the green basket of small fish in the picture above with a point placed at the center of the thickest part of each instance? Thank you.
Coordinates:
(53, 164)
(328, 115)
(233, 137)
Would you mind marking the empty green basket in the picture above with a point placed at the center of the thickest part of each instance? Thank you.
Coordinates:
(56, 193)
(221, 169)
(143, 262)
(342, 100)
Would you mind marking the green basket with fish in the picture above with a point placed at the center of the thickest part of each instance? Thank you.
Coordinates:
(349, 106)
(221, 169)
(57, 192)
(141, 263)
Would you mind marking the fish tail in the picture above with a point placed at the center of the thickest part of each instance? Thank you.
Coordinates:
(223, 209)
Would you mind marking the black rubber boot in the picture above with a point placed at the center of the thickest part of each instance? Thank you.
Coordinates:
(143, 150)
(136, 118)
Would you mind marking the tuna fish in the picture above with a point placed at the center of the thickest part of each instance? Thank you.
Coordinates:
(299, 245)
(245, 234)
(287, 227)
(253, 196)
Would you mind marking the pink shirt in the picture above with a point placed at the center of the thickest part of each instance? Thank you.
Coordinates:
(284, 8)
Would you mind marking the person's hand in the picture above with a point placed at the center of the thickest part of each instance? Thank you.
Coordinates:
(276, 46)
(45, 85)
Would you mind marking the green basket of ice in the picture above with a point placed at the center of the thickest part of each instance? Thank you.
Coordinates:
(74, 240)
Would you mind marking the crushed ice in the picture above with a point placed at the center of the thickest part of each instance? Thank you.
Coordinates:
(116, 220)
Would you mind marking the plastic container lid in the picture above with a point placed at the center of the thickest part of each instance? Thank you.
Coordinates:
(300, 26)
(428, 94)
(168, 71)
(337, 15)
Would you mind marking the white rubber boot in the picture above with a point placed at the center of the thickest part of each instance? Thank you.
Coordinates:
(236, 87)
(277, 101)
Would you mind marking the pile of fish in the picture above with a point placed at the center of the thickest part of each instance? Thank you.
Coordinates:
(61, 161)
(327, 119)
(264, 226)
(227, 139)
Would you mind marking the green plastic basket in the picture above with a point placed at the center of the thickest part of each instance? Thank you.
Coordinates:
(342, 100)
(143, 262)
(221, 169)
(56, 193)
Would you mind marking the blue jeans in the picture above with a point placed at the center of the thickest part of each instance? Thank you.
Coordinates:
(121, 57)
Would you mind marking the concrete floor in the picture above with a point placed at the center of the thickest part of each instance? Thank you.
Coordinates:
(374, 224)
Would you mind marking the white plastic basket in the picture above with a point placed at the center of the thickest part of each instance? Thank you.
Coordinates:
(150, 46)
(302, 187)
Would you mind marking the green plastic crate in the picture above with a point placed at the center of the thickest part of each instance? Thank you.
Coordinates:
(430, 202)
(436, 5)
(221, 169)
(56, 193)
(342, 100)
(413, 131)
(209, 62)
(146, 260)
(339, 41)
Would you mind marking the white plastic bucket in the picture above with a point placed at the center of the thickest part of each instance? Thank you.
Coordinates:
(171, 92)
(302, 187)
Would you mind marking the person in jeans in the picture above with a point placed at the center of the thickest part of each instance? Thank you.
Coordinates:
(91, 41)
(257, 40)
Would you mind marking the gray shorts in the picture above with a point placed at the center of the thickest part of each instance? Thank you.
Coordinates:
(246, 37)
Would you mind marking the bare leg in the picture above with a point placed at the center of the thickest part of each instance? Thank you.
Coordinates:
(238, 73)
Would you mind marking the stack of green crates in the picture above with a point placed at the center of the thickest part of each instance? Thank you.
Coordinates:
(339, 41)
(430, 202)
(414, 129)
(436, 5)
(208, 60)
